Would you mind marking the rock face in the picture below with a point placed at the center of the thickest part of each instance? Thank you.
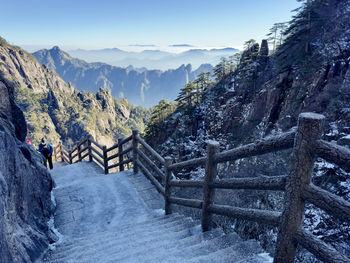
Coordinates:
(53, 108)
(144, 88)
(25, 185)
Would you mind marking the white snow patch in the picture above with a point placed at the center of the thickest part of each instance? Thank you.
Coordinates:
(334, 129)
(53, 200)
(159, 212)
(51, 225)
(266, 257)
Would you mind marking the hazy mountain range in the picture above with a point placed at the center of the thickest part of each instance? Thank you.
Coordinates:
(140, 86)
(153, 59)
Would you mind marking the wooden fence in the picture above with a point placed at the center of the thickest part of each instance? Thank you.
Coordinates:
(298, 188)
(100, 154)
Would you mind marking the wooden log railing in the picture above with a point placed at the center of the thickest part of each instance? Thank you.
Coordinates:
(95, 152)
(306, 145)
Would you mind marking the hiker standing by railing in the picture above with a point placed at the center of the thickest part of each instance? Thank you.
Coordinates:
(45, 148)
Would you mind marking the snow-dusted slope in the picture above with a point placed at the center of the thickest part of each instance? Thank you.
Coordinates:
(109, 218)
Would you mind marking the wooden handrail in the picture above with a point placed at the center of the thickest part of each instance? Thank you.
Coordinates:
(273, 144)
(79, 152)
(334, 153)
(150, 150)
(331, 203)
(122, 141)
(120, 163)
(84, 156)
(149, 175)
(306, 144)
(187, 183)
(188, 164)
(118, 154)
(97, 152)
(97, 159)
(97, 144)
(256, 215)
(319, 248)
(256, 183)
(149, 162)
(186, 202)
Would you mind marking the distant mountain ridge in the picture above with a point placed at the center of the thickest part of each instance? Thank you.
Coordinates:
(139, 85)
(53, 108)
(154, 59)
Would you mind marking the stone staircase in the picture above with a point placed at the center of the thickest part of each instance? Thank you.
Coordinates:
(107, 218)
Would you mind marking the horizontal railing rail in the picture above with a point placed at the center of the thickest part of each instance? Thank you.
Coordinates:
(89, 148)
(253, 183)
(281, 142)
(150, 150)
(333, 153)
(306, 145)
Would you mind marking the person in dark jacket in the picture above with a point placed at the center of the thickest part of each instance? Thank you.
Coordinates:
(45, 148)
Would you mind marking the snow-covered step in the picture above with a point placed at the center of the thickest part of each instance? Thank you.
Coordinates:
(144, 247)
(155, 248)
(148, 226)
(260, 258)
(203, 248)
(124, 228)
(238, 252)
(135, 239)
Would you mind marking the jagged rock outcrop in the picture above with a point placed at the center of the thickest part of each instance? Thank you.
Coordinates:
(25, 185)
(53, 108)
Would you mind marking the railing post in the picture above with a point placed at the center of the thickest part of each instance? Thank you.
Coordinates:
(61, 151)
(89, 146)
(70, 157)
(168, 161)
(310, 126)
(54, 154)
(79, 154)
(121, 158)
(134, 152)
(210, 174)
(105, 161)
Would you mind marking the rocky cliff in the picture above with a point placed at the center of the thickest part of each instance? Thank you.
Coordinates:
(144, 88)
(25, 185)
(53, 108)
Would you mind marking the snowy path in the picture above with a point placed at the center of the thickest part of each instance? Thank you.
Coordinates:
(89, 202)
(113, 218)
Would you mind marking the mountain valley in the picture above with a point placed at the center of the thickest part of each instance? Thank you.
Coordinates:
(140, 87)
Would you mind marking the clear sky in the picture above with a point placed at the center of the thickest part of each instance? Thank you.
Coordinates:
(94, 24)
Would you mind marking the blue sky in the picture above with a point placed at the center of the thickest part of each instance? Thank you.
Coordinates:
(93, 24)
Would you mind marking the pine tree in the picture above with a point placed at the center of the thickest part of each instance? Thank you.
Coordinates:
(248, 44)
(187, 95)
(221, 69)
(276, 34)
(160, 112)
(203, 81)
(233, 61)
(305, 26)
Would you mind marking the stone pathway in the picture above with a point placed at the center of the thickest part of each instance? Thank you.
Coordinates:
(119, 218)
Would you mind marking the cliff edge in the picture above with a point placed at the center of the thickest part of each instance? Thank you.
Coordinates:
(25, 186)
